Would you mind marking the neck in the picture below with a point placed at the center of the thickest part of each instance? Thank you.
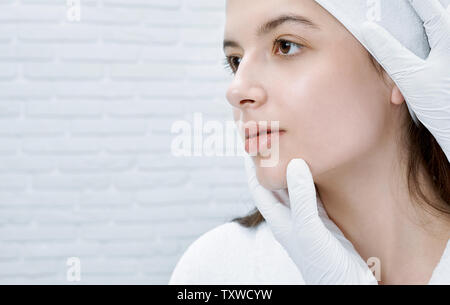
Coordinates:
(369, 201)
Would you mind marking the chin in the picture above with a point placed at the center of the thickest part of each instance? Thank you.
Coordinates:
(272, 178)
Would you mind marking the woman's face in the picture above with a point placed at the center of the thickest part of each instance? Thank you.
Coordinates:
(320, 85)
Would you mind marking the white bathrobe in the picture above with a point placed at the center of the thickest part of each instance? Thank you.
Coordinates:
(232, 254)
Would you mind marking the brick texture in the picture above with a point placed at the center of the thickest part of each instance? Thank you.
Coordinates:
(86, 110)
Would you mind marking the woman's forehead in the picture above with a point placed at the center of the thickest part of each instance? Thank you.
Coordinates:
(255, 14)
(261, 7)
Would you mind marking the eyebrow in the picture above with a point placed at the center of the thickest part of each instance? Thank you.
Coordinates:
(273, 24)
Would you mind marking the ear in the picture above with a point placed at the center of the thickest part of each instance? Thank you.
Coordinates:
(396, 96)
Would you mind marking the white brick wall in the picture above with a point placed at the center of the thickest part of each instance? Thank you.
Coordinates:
(85, 116)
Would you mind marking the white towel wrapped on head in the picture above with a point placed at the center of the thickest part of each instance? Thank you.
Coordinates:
(397, 16)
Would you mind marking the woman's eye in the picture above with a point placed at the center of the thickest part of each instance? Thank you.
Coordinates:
(232, 63)
(287, 47)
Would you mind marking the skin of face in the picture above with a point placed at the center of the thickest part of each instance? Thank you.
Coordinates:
(328, 96)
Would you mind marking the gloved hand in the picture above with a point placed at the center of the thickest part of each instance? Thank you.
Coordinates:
(425, 84)
(314, 243)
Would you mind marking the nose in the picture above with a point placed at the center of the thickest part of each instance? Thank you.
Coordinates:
(246, 89)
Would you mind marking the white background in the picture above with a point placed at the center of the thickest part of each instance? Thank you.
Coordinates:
(85, 116)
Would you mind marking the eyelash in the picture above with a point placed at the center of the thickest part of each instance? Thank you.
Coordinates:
(229, 66)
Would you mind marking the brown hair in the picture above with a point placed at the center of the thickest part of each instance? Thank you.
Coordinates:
(423, 151)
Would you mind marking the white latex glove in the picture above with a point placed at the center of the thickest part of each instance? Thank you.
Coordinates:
(314, 243)
(425, 84)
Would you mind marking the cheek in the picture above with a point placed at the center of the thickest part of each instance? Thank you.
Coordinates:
(336, 112)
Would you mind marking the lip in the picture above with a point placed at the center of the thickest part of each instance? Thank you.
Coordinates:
(262, 143)
(260, 130)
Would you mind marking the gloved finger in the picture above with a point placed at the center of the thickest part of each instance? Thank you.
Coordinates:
(274, 212)
(302, 193)
(436, 20)
(389, 52)
(321, 257)
(283, 196)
